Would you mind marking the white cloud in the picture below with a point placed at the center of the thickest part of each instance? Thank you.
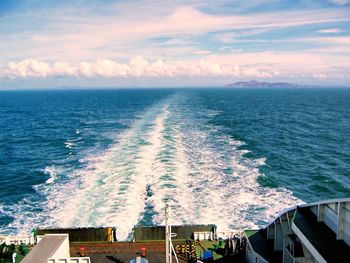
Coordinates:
(201, 52)
(339, 41)
(340, 2)
(26, 68)
(330, 31)
(320, 76)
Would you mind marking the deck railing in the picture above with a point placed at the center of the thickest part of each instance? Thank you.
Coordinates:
(69, 260)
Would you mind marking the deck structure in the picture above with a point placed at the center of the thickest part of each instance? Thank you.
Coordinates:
(316, 232)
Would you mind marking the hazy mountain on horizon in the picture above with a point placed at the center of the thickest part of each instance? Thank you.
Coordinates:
(254, 83)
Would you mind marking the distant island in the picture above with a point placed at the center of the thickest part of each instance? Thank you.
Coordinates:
(258, 84)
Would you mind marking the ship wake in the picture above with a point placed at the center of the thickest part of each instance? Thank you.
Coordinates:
(170, 152)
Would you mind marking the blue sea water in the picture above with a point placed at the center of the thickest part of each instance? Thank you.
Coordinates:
(233, 157)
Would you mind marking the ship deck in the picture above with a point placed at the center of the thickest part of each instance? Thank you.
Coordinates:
(263, 246)
(121, 252)
(321, 237)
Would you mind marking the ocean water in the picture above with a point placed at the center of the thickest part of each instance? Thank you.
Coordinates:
(233, 157)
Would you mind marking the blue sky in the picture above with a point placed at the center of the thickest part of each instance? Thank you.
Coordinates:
(173, 43)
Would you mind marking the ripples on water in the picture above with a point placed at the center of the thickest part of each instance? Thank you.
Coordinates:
(231, 157)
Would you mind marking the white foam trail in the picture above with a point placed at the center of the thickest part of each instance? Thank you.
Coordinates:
(153, 168)
(115, 184)
(146, 169)
(205, 194)
(173, 151)
(172, 179)
(235, 200)
(113, 189)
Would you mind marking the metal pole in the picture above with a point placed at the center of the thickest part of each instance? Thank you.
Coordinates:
(166, 233)
(169, 248)
(170, 244)
(173, 249)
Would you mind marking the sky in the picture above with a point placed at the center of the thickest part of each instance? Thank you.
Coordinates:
(173, 43)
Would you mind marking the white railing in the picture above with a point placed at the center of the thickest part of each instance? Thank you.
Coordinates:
(17, 240)
(208, 235)
(228, 234)
(69, 260)
(203, 235)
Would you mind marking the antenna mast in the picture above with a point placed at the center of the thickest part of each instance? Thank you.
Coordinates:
(169, 248)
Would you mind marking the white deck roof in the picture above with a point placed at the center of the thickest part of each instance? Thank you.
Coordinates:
(45, 249)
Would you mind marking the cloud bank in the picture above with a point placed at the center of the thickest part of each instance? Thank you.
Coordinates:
(137, 67)
(259, 65)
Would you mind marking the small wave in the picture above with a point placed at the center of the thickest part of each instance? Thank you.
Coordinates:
(69, 144)
(53, 172)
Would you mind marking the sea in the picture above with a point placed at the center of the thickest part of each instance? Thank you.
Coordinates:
(234, 157)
